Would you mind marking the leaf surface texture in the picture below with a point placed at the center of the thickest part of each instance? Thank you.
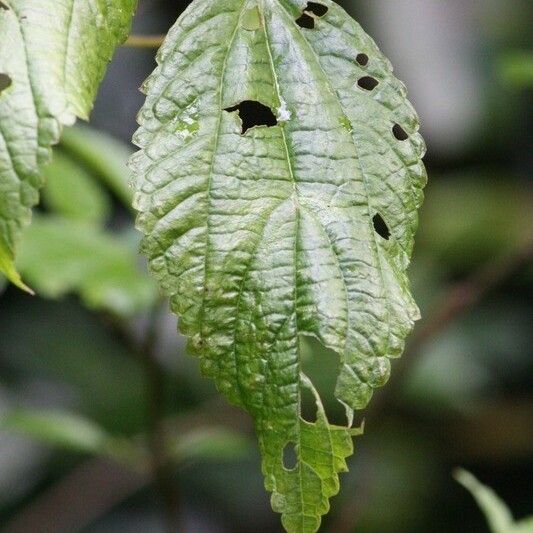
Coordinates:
(264, 231)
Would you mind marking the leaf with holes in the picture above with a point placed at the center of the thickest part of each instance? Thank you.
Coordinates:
(53, 56)
(279, 198)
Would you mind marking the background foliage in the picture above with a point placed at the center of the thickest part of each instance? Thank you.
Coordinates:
(73, 365)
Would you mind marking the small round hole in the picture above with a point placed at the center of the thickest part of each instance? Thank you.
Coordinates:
(368, 83)
(400, 133)
(362, 59)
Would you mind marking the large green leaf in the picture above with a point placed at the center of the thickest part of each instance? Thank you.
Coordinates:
(57, 428)
(301, 225)
(53, 56)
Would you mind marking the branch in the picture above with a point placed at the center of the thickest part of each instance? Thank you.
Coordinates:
(157, 433)
(160, 462)
(91, 489)
(144, 41)
(84, 494)
(456, 301)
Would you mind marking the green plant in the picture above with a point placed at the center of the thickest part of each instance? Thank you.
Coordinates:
(277, 186)
(498, 515)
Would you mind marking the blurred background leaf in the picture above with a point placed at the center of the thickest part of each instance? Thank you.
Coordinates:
(72, 192)
(59, 256)
(61, 429)
(102, 155)
(498, 514)
(516, 68)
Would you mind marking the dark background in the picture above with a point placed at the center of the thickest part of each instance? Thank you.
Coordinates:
(460, 397)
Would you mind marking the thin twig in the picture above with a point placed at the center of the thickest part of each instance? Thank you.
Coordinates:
(91, 489)
(157, 433)
(455, 302)
(144, 41)
(83, 495)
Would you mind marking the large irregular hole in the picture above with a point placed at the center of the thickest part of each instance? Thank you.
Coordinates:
(5, 81)
(381, 227)
(362, 59)
(308, 407)
(305, 20)
(290, 457)
(368, 83)
(253, 113)
(321, 366)
(400, 133)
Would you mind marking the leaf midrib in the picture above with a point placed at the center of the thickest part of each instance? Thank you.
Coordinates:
(208, 189)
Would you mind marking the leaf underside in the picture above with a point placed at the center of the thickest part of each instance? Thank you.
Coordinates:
(264, 230)
(53, 56)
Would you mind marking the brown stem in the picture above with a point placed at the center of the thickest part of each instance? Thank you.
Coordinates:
(144, 41)
(83, 495)
(455, 302)
(157, 434)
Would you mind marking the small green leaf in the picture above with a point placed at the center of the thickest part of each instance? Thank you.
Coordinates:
(278, 185)
(53, 56)
(7, 267)
(60, 255)
(71, 432)
(73, 192)
(524, 526)
(211, 443)
(102, 155)
(498, 515)
(57, 428)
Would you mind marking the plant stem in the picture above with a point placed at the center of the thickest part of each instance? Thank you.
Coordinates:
(157, 434)
(144, 41)
(456, 301)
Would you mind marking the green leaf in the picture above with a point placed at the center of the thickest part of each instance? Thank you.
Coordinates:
(60, 256)
(498, 515)
(278, 186)
(525, 526)
(70, 432)
(71, 191)
(8, 268)
(209, 443)
(103, 155)
(53, 56)
(58, 429)
(516, 68)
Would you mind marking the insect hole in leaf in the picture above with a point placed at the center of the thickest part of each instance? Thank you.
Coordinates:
(253, 113)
